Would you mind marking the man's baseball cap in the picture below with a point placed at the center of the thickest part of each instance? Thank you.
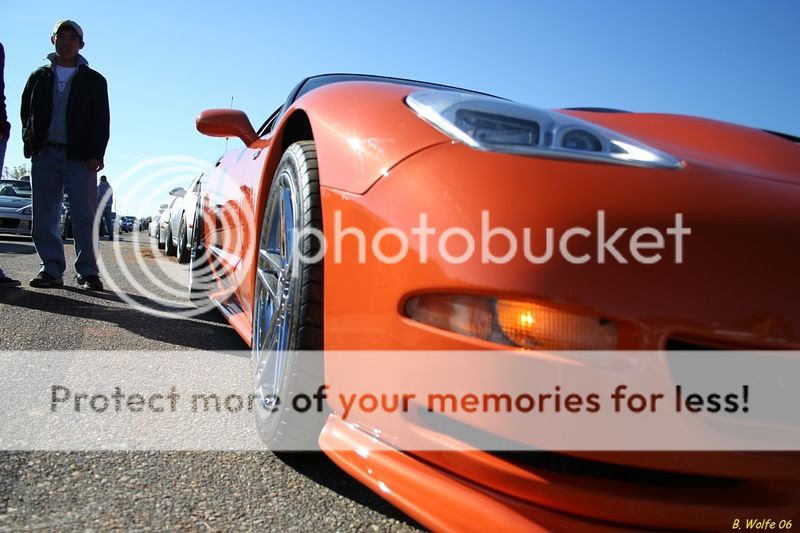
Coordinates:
(71, 23)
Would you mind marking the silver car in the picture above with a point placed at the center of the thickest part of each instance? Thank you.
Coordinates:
(15, 207)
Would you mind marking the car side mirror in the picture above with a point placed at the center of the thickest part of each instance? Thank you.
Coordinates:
(226, 123)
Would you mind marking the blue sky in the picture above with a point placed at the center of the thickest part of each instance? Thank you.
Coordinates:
(166, 61)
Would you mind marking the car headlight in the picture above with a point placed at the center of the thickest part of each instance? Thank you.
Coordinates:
(496, 125)
(25, 210)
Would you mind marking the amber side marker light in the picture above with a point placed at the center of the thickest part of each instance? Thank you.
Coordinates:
(516, 323)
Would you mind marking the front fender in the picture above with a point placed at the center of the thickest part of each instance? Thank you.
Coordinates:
(362, 130)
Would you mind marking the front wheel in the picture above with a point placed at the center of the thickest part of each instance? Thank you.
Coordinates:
(183, 247)
(169, 246)
(288, 303)
(201, 267)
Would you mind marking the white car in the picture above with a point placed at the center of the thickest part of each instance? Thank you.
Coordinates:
(154, 228)
(181, 219)
(163, 228)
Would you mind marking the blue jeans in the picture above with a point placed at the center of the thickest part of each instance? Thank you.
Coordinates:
(3, 144)
(52, 174)
(106, 221)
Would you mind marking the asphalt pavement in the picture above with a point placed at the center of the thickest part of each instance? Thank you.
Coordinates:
(155, 490)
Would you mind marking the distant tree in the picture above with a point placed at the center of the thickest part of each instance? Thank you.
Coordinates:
(15, 173)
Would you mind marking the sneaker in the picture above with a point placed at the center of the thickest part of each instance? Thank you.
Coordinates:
(44, 280)
(91, 283)
(5, 281)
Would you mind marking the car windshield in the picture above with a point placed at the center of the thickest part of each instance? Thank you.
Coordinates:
(321, 80)
(326, 79)
(15, 188)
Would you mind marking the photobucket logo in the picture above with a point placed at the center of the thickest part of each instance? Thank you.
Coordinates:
(457, 245)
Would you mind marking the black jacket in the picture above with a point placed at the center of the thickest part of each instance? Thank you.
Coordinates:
(87, 113)
(5, 126)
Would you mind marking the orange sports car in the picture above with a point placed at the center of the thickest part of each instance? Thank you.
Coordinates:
(379, 214)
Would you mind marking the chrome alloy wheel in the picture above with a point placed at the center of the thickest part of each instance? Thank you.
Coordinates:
(275, 291)
(288, 305)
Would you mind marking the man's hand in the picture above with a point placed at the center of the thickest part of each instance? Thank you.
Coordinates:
(94, 165)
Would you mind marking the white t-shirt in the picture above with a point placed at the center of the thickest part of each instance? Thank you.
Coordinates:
(63, 74)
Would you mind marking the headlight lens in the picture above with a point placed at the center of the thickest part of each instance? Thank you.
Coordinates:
(495, 125)
(25, 210)
(581, 140)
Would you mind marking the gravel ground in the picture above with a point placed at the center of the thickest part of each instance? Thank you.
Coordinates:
(153, 491)
(197, 491)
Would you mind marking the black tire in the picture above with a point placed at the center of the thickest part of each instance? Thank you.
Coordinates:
(183, 247)
(288, 306)
(201, 279)
(169, 246)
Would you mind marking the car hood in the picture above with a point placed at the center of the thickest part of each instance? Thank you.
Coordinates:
(14, 202)
(701, 141)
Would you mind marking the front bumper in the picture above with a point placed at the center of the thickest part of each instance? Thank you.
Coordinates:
(12, 222)
(477, 491)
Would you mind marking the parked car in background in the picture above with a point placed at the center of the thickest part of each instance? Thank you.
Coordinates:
(153, 226)
(128, 223)
(115, 223)
(181, 220)
(18, 188)
(175, 207)
(164, 236)
(15, 207)
(66, 219)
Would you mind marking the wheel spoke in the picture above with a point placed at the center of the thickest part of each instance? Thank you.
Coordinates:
(269, 283)
(271, 335)
(271, 237)
(275, 353)
(258, 323)
(271, 261)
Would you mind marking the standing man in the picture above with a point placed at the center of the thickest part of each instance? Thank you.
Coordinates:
(5, 128)
(5, 125)
(105, 199)
(65, 129)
